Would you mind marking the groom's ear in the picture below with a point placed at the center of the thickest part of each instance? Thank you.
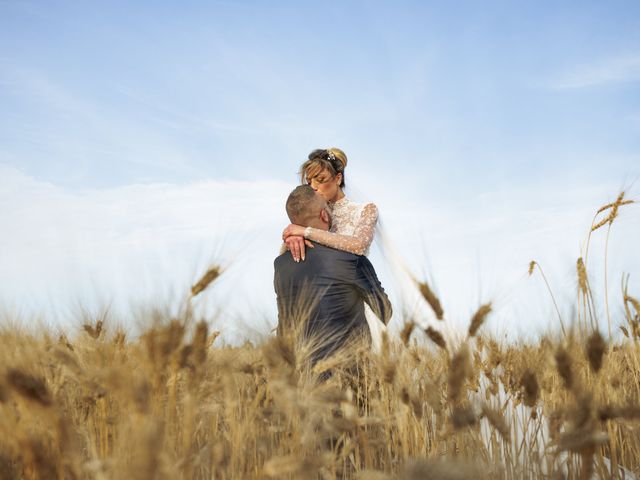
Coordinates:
(324, 216)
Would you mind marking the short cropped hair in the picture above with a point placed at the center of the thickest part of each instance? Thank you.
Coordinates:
(303, 205)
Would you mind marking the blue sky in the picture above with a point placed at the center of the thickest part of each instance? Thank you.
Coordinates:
(459, 109)
(109, 93)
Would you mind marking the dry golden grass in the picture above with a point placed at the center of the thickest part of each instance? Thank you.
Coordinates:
(174, 404)
(171, 405)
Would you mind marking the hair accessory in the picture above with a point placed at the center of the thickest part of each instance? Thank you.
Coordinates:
(331, 156)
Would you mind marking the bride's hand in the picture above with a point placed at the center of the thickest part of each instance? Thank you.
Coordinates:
(296, 245)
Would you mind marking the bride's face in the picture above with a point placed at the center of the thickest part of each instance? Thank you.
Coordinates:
(326, 184)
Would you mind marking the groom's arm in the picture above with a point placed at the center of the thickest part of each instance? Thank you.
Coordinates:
(370, 289)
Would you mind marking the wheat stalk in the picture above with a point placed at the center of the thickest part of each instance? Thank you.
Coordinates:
(478, 318)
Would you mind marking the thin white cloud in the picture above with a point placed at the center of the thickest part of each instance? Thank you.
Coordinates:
(139, 243)
(613, 70)
(73, 127)
(146, 244)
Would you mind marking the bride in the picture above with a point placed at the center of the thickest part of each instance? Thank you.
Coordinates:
(353, 224)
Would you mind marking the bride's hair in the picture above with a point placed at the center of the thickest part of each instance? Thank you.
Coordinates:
(333, 159)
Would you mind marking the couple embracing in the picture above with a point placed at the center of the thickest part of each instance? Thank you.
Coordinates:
(325, 285)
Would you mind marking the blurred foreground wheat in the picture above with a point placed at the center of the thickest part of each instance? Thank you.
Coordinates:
(174, 404)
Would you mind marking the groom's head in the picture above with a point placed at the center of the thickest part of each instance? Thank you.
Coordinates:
(307, 208)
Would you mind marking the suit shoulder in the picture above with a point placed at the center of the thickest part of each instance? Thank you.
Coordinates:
(281, 259)
(363, 260)
(329, 252)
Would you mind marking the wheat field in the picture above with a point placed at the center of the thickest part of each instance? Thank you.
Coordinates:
(173, 403)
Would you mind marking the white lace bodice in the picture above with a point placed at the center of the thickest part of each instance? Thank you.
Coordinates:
(352, 229)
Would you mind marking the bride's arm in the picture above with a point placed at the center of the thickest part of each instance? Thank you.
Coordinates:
(357, 243)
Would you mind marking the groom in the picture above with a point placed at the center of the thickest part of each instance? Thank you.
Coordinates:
(324, 295)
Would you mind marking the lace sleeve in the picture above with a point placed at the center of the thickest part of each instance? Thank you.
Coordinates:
(357, 243)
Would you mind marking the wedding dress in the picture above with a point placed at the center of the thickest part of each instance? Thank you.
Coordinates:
(352, 230)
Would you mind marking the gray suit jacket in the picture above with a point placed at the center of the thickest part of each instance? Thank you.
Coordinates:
(327, 292)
